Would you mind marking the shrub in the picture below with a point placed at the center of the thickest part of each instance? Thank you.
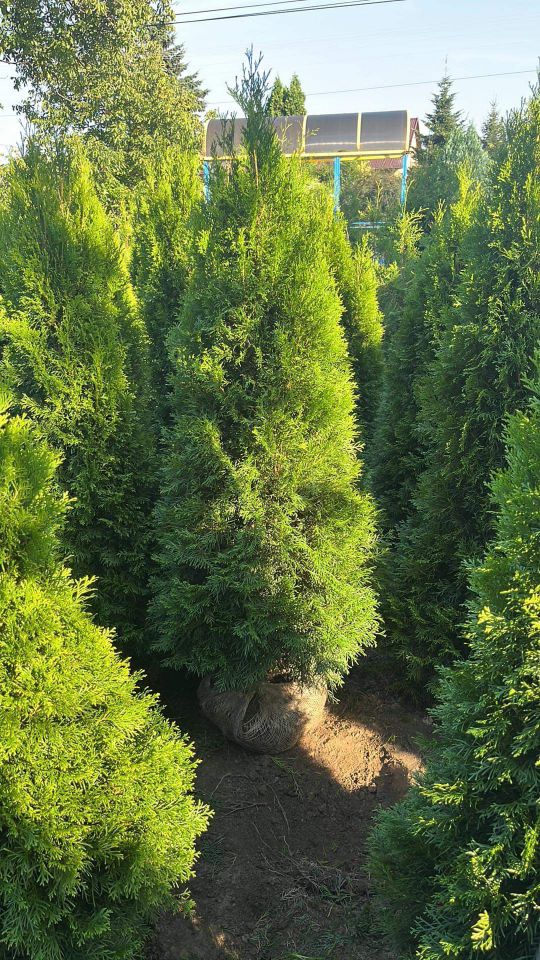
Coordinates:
(457, 864)
(75, 353)
(264, 537)
(97, 815)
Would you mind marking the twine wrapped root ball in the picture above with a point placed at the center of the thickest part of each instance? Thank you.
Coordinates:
(269, 718)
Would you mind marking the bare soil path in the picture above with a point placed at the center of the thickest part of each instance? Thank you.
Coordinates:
(281, 874)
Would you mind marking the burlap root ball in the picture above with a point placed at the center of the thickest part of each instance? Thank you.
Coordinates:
(269, 718)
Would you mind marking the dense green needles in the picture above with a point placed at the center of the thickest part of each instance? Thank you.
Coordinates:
(76, 355)
(265, 540)
(96, 809)
(458, 862)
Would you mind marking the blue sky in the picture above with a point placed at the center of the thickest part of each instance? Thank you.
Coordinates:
(335, 50)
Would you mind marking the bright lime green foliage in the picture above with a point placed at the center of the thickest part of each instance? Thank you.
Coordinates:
(264, 537)
(469, 371)
(457, 864)
(75, 353)
(161, 259)
(97, 815)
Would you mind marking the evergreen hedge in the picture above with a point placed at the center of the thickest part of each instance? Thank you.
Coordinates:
(264, 537)
(457, 864)
(471, 369)
(97, 816)
(76, 355)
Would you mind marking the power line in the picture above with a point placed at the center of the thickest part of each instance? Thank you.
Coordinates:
(240, 6)
(390, 86)
(275, 13)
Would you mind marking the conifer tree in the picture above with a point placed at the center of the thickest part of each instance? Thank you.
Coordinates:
(493, 131)
(97, 814)
(481, 357)
(443, 120)
(357, 283)
(428, 284)
(457, 864)
(161, 257)
(276, 101)
(75, 353)
(294, 98)
(437, 182)
(264, 537)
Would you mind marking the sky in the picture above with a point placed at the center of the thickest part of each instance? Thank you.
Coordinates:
(398, 50)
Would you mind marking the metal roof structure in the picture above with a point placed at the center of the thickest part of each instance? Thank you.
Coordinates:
(321, 136)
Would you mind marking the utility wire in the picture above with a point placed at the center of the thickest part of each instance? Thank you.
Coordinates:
(275, 13)
(390, 86)
(240, 6)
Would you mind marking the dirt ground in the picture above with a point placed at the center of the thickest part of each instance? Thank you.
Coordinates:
(281, 874)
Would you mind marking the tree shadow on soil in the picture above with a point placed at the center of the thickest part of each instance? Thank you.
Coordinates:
(281, 874)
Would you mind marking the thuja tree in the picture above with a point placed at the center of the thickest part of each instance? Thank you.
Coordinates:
(415, 308)
(75, 352)
(357, 281)
(264, 536)
(161, 252)
(483, 356)
(457, 864)
(97, 813)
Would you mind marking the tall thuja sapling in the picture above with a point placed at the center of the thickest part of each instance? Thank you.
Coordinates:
(75, 352)
(357, 280)
(97, 812)
(457, 863)
(163, 206)
(264, 537)
(482, 357)
(416, 303)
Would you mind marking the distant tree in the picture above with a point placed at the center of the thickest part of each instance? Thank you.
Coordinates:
(493, 131)
(436, 181)
(294, 100)
(443, 120)
(287, 101)
(97, 812)
(276, 102)
(112, 75)
(457, 863)
(264, 533)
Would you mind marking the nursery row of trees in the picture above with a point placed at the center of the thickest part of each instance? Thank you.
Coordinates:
(179, 465)
(457, 864)
(189, 391)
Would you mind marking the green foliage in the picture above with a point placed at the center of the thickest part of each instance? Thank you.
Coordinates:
(295, 98)
(97, 815)
(414, 309)
(436, 180)
(457, 864)
(75, 353)
(161, 253)
(493, 131)
(286, 101)
(442, 122)
(471, 368)
(264, 537)
(115, 77)
(357, 283)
